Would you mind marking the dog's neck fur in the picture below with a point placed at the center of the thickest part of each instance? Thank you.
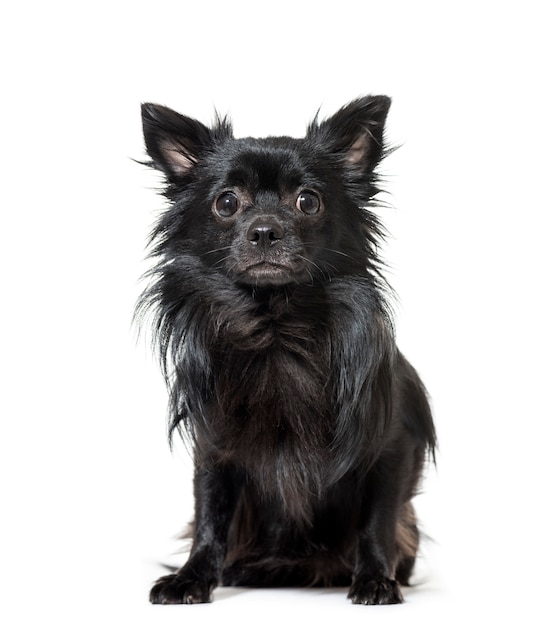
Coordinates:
(274, 368)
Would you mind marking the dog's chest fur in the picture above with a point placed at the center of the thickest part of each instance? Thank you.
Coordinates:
(274, 408)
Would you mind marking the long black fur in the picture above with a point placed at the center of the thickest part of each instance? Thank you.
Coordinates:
(309, 428)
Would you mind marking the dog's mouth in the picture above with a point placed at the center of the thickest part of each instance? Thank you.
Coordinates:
(267, 273)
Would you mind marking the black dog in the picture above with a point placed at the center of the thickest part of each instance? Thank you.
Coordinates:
(309, 428)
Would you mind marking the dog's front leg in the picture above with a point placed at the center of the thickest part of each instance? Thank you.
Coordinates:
(216, 492)
(376, 552)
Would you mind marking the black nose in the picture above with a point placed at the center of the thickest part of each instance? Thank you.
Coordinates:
(265, 232)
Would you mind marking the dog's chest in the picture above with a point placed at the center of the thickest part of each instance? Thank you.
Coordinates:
(285, 375)
(277, 420)
(274, 393)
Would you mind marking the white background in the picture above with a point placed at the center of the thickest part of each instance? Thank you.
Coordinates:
(91, 497)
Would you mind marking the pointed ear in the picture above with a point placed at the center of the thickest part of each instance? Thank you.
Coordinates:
(356, 132)
(174, 142)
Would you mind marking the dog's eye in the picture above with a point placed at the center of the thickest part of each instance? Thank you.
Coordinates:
(308, 202)
(226, 204)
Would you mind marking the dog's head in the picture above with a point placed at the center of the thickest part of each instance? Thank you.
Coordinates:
(273, 211)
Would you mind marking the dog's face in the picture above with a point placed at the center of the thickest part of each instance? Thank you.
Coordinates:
(269, 212)
(265, 211)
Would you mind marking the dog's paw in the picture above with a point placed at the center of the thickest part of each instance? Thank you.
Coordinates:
(377, 591)
(180, 589)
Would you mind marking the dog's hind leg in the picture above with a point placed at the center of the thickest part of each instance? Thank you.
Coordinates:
(407, 539)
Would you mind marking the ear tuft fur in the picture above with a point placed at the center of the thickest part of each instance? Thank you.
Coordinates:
(356, 131)
(176, 143)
